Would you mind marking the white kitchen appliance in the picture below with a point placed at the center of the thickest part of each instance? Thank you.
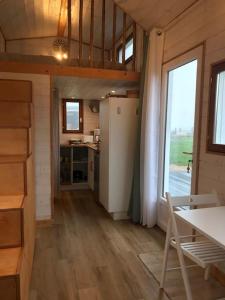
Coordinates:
(118, 124)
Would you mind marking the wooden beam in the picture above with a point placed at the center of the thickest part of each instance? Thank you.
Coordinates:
(80, 31)
(92, 32)
(114, 34)
(124, 37)
(134, 45)
(50, 36)
(62, 18)
(4, 38)
(69, 25)
(103, 32)
(60, 70)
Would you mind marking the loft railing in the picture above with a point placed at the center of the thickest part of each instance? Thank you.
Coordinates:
(112, 53)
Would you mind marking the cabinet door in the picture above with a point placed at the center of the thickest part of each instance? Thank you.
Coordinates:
(91, 169)
(65, 165)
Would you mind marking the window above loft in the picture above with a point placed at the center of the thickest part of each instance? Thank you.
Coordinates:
(216, 130)
(129, 50)
(72, 116)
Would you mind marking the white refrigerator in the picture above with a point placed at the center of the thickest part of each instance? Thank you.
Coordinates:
(118, 124)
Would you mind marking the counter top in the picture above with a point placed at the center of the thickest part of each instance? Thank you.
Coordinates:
(88, 145)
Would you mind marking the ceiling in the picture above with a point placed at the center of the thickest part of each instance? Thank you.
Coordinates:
(150, 13)
(39, 18)
(91, 89)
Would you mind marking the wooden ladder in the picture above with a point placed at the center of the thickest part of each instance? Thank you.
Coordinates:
(17, 205)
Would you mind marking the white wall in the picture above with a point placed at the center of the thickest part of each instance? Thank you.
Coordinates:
(2, 43)
(41, 103)
(91, 122)
(203, 22)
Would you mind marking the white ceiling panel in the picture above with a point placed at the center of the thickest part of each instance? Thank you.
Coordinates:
(91, 89)
(150, 13)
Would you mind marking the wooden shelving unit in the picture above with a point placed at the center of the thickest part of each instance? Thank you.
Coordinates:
(17, 205)
(76, 167)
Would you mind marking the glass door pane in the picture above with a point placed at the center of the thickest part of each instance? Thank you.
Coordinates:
(179, 131)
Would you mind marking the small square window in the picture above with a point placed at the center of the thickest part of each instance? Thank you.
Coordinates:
(129, 50)
(72, 116)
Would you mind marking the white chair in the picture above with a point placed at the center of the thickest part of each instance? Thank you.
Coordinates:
(202, 252)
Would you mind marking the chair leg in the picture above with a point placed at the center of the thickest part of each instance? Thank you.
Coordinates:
(207, 273)
(184, 273)
(166, 252)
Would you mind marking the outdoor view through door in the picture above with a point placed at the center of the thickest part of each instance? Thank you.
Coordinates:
(179, 131)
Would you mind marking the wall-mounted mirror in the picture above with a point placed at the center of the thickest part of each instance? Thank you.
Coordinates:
(216, 129)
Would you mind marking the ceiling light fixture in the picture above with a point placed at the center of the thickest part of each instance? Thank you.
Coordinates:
(65, 55)
(60, 49)
(113, 92)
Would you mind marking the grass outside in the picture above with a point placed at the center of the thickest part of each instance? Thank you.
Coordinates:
(178, 145)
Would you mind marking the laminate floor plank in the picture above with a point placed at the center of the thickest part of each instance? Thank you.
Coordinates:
(85, 255)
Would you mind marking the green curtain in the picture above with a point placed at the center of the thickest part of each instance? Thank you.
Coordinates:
(134, 211)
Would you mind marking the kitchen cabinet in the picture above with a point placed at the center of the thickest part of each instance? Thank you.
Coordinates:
(77, 166)
(91, 154)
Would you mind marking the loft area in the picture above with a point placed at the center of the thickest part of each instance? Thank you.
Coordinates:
(83, 33)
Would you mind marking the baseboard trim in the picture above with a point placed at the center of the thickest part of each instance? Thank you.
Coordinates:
(116, 216)
(44, 223)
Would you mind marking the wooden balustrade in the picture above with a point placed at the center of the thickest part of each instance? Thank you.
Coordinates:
(80, 31)
(116, 43)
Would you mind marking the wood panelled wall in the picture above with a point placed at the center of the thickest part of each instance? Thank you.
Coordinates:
(100, 32)
(204, 22)
(2, 42)
(43, 46)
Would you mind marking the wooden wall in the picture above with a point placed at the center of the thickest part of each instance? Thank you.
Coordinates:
(139, 47)
(43, 46)
(91, 122)
(203, 22)
(41, 102)
(2, 43)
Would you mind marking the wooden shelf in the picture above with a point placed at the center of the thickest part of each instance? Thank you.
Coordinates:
(10, 261)
(11, 202)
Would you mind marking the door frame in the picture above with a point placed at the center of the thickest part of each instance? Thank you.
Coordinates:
(196, 53)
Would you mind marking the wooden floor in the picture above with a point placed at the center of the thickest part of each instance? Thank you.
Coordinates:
(85, 255)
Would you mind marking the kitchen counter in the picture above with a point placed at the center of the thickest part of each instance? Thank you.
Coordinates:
(88, 145)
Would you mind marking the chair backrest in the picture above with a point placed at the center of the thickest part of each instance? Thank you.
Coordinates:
(193, 201)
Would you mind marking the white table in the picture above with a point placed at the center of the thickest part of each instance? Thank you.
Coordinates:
(210, 222)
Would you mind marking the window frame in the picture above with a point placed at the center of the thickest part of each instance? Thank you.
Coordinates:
(64, 115)
(120, 47)
(211, 146)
